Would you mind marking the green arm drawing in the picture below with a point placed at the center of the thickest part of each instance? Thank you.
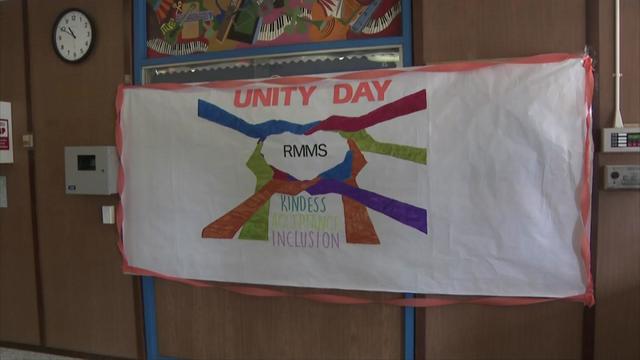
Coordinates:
(367, 143)
(257, 228)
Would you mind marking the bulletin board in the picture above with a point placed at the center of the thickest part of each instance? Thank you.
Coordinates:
(183, 27)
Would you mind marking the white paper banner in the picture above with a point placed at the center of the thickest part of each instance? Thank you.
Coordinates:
(444, 182)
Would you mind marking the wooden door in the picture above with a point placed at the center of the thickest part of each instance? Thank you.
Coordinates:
(88, 302)
(18, 289)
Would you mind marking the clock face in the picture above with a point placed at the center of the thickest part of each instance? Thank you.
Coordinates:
(73, 35)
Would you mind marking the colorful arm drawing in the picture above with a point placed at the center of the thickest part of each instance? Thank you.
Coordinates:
(252, 215)
(367, 143)
(257, 227)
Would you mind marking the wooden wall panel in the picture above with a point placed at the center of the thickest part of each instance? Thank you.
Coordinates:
(18, 300)
(618, 270)
(542, 331)
(215, 324)
(630, 61)
(88, 302)
(617, 318)
(450, 30)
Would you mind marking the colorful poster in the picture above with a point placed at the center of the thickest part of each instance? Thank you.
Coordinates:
(465, 179)
(182, 27)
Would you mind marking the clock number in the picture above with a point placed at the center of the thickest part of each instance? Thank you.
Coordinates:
(73, 18)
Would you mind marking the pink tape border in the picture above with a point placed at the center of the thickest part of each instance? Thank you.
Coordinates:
(587, 298)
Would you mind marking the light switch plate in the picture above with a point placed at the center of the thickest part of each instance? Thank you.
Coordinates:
(622, 177)
(3, 192)
(108, 214)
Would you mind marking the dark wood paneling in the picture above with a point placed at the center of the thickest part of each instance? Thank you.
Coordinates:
(215, 324)
(630, 61)
(617, 319)
(88, 302)
(453, 30)
(18, 297)
(618, 272)
(468, 30)
(542, 331)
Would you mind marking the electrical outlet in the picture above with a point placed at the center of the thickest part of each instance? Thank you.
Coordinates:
(622, 177)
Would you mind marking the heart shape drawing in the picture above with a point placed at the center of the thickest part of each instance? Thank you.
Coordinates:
(305, 157)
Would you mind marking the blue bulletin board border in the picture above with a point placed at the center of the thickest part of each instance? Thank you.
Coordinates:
(140, 61)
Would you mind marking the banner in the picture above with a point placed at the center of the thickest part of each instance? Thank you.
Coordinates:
(466, 179)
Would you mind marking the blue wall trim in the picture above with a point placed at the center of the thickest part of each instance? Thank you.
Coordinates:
(407, 59)
(409, 330)
(148, 283)
(139, 38)
(150, 321)
(149, 309)
(407, 33)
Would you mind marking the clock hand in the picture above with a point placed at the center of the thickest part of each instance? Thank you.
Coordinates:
(71, 32)
(66, 30)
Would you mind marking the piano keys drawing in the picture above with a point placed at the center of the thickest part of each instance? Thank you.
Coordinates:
(183, 27)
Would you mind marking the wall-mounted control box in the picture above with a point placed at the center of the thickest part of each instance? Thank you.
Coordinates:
(91, 170)
(621, 140)
(622, 177)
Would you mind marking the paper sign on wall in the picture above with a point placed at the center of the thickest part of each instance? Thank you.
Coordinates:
(6, 145)
(426, 180)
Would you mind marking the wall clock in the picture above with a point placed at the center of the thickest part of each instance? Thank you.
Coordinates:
(73, 35)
